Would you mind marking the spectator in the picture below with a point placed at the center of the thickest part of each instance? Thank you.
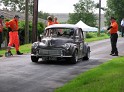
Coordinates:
(12, 25)
(49, 21)
(122, 27)
(55, 20)
(113, 36)
(1, 28)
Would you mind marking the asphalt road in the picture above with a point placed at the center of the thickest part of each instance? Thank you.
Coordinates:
(19, 74)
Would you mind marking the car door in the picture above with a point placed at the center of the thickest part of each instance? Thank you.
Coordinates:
(79, 39)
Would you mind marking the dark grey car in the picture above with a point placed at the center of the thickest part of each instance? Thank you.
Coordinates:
(61, 41)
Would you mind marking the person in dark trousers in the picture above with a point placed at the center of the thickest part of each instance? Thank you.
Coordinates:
(113, 36)
(1, 30)
(122, 27)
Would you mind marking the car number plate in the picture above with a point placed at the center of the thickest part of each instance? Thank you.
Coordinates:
(52, 58)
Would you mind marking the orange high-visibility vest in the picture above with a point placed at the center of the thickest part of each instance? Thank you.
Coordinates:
(13, 24)
(114, 28)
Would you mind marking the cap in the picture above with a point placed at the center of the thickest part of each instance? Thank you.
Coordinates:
(112, 18)
(1, 16)
(16, 16)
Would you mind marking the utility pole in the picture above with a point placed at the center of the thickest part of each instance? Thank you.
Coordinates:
(35, 20)
(99, 17)
(26, 22)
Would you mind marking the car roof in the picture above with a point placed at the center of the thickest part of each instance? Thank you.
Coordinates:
(62, 26)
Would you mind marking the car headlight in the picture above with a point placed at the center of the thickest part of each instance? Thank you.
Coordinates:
(67, 46)
(35, 45)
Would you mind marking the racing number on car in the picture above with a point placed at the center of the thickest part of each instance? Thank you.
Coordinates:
(81, 46)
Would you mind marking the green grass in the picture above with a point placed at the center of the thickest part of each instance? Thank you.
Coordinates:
(24, 48)
(108, 77)
(97, 38)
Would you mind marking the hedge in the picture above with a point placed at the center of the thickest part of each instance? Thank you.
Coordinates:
(40, 28)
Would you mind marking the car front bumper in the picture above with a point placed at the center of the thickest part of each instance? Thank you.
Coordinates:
(51, 53)
(62, 56)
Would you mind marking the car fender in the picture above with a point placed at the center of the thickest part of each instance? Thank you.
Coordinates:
(86, 48)
(74, 47)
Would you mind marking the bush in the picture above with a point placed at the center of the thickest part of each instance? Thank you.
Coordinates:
(91, 35)
(40, 28)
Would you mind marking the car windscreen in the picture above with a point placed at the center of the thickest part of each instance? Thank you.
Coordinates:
(59, 32)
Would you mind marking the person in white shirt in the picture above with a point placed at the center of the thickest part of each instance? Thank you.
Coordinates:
(122, 27)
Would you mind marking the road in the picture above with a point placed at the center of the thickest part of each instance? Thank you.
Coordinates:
(19, 74)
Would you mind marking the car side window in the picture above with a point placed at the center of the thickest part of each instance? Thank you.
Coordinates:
(77, 32)
(81, 34)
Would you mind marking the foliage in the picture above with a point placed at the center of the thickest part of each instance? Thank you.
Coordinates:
(114, 8)
(17, 5)
(43, 15)
(90, 37)
(40, 28)
(83, 11)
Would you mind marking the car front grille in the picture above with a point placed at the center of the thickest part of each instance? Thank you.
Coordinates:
(57, 52)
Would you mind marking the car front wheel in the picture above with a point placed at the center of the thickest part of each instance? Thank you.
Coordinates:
(87, 56)
(74, 58)
(34, 59)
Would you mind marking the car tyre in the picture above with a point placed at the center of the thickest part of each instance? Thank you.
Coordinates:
(74, 58)
(87, 56)
(34, 59)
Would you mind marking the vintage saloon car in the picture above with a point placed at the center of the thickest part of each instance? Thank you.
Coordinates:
(61, 41)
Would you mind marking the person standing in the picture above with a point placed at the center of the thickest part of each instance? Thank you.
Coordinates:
(113, 36)
(55, 20)
(49, 21)
(12, 26)
(1, 28)
(122, 27)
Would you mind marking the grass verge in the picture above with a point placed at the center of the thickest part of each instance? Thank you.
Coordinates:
(108, 77)
(23, 48)
(97, 38)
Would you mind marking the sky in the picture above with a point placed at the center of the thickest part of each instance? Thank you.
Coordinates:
(62, 6)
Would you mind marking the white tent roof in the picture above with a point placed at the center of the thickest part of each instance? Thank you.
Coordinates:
(86, 27)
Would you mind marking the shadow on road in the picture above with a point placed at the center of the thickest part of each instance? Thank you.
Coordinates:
(59, 62)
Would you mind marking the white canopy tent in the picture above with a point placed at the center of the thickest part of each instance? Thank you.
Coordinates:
(86, 28)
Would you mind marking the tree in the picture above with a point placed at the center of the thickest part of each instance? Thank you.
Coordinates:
(17, 5)
(84, 10)
(43, 15)
(114, 8)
